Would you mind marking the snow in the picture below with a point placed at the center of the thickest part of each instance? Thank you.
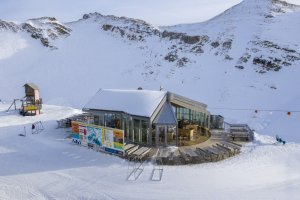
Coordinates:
(10, 44)
(134, 102)
(49, 166)
(50, 112)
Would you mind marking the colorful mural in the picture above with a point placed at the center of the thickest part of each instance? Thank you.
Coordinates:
(108, 139)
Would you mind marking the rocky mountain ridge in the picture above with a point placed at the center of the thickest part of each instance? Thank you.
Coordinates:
(264, 55)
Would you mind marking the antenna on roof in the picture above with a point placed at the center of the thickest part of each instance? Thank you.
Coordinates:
(140, 88)
(161, 88)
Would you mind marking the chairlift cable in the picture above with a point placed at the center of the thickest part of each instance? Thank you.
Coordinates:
(249, 109)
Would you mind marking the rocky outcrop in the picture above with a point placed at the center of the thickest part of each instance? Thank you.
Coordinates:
(43, 29)
(282, 56)
(187, 39)
(9, 26)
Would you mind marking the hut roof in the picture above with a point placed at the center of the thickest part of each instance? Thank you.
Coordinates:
(32, 85)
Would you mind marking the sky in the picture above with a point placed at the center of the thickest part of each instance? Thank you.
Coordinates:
(156, 12)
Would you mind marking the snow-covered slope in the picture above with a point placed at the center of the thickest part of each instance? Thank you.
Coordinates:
(260, 33)
(247, 57)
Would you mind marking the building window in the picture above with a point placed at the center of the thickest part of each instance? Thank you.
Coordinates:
(96, 120)
(118, 121)
(171, 135)
(101, 119)
(131, 129)
(145, 131)
(136, 123)
(113, 120)
(109, 120)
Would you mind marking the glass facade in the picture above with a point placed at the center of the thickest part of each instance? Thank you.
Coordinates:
(145, 131)
(161, 135)
(131, 130)
(113, 120)
(99, 119)
(135, 129)
(171, 135)
(187, 116)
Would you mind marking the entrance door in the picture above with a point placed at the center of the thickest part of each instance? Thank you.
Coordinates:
(171, 135)
(161, 132)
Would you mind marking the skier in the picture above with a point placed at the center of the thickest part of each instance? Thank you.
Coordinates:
(32, 128)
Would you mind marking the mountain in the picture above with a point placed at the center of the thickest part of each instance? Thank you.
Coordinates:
(245, 59)
(253, 33)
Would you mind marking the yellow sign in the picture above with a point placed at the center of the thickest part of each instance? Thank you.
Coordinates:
(29, 108)
(75, 127)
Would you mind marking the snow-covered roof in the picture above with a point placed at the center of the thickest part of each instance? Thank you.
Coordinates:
(134, 102)
(32, 85)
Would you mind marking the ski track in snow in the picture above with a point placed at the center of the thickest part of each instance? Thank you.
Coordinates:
(48, 166)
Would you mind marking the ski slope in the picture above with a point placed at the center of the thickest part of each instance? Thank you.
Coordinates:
(48, 166)
(100, 51)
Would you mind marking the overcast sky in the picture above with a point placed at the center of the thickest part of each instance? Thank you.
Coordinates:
(157, 12)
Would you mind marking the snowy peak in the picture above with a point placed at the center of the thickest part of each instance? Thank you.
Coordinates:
(263, 8)
(121, 21)
(250, 34)
(278, 6)
(44, 29)
(236, 36)
(132, 29)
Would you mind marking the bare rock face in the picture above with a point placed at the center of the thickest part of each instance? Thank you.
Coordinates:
(187, 39)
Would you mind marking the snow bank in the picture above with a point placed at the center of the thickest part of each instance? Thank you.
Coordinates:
(49, 112)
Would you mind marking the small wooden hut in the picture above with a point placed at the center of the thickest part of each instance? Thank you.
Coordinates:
(31, 103)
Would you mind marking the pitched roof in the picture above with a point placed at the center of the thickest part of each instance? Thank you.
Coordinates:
(166, 115)
(134, 102)
(32, 85)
